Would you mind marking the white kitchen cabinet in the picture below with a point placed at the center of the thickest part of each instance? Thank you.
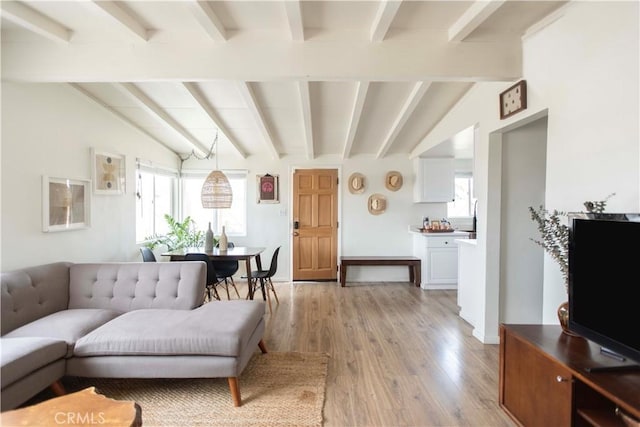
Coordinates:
(435, 180)
(439, 255)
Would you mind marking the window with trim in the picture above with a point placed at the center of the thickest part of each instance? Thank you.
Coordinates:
(464, 200)
(234, 219)
(156, 191)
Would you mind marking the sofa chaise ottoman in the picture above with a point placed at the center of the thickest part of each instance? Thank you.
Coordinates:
(120, 320)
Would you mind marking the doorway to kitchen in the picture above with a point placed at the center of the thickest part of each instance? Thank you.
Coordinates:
(517, 180)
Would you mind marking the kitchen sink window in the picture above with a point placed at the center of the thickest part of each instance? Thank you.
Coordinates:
(464, 202)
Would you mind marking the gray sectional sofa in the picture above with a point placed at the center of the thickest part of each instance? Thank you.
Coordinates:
(120, 320)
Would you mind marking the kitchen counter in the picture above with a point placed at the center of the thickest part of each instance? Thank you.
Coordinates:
(472, 242)
(438, 252)
(469, 293)
(455, 233)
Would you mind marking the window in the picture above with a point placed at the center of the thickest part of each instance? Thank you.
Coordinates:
(234, 219)
(464, 200)
(155, 196)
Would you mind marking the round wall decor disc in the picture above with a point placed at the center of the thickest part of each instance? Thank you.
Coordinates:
(377, 204)
(356, 183)
(393, 181)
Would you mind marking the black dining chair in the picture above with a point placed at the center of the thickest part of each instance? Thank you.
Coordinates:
(264, 276)
(212, 280)
(147, 254)
(225, 271)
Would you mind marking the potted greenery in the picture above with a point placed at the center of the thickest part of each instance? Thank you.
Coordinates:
(554, 234)
(182, 234)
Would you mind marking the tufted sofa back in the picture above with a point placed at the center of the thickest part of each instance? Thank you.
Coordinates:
(132, 286)
(33, 292)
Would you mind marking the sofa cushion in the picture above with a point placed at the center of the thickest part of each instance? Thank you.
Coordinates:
(135, 285)
(217, 328)
(66, 325)
(34, 292)
(22, 356)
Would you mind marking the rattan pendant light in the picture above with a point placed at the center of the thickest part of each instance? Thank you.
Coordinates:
(216, 190)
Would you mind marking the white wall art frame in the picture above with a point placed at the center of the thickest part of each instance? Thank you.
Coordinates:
(66, 204)
(109, 172)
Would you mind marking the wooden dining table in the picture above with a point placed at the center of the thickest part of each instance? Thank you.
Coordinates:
(237, 253)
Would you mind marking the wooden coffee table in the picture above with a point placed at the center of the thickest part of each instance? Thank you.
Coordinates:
(82, 408)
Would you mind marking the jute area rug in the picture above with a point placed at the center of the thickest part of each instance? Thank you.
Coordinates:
(278, 389)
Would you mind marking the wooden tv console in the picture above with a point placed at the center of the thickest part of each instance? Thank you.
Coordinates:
(543, 381)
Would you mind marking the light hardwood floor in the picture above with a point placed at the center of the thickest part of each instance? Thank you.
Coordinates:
(400, 356)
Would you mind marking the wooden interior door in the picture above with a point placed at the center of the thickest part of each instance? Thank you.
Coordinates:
(315, 237)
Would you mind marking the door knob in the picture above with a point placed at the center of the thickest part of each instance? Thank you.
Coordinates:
(295, 233)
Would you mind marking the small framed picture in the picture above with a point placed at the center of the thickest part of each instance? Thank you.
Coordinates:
(66, 204)
(109, 173)
(513, 100)
(267, 188)
(434, 224)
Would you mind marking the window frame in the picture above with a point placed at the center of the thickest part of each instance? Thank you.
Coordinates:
(155, 171)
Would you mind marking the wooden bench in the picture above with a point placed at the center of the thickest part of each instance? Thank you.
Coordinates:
(415, 270)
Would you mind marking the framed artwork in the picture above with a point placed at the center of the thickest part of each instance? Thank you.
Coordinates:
(109, 173)
(267, 189)
(66, 204)
(513, 99)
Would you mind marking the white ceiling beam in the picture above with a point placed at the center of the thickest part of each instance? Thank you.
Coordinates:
(356, 113)
(344, 59)
(193, 90)
(252, 104)
(410, 104)
(305, 101)
(124, 18)
(384, 17)
(118, 114)
(294, 15)
(472, 18)
(159, 114)
(209, 20)
(32, 20)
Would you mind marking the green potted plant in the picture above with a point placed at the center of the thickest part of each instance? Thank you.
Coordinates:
(182, 234)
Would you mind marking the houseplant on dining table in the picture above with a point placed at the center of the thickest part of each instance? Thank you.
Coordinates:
(181, 234)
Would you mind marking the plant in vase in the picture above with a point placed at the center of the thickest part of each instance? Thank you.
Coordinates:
(181, 234)
(554, 233)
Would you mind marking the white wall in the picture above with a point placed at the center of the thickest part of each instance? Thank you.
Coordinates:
(49, 129)
(524, 152)
(360, 233)
(593, 148)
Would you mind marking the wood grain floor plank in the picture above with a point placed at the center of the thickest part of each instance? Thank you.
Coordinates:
(400, 356)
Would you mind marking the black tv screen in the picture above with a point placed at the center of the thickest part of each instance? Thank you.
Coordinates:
(604, 281)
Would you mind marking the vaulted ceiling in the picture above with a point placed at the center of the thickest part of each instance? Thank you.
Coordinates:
(273, 78)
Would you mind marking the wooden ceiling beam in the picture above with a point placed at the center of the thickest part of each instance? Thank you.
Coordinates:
(305, 101)
(294, 16)
(384, 17)
(32, 20)
(356, 113)
(147, 104)
(118, 114)
(193, 90)
(255, 110)
(410, 104)
(209, 20)
(124, 18)
(472, 18)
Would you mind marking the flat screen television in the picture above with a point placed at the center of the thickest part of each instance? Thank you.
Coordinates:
(604, 281)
